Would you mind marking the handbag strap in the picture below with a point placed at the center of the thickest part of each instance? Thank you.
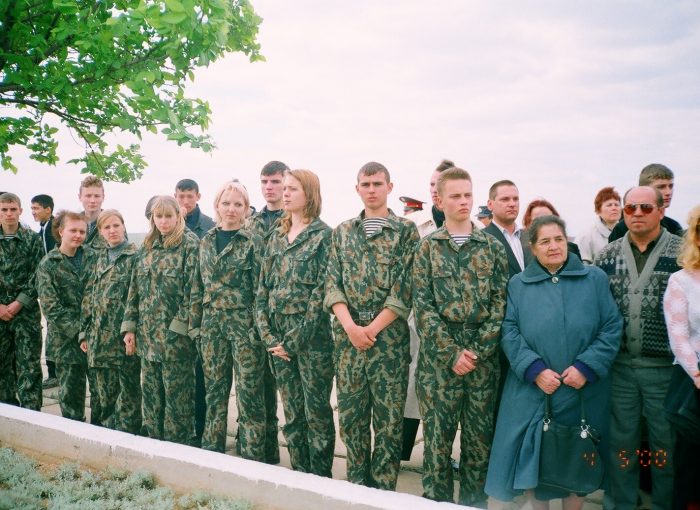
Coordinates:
(548, 410)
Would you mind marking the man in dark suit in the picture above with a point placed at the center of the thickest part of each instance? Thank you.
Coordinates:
(504, 203)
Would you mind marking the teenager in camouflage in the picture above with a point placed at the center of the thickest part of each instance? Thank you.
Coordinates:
(295, 327)
(61, 279)
(229, 265)
(158, 321)
(459, 295)
(20, 327)
(115, 368)
(368, 290)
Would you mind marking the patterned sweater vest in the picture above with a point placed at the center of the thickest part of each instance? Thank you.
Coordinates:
(640, 297)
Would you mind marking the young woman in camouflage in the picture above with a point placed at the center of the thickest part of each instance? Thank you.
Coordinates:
(229, 265)
(294, 326)
(61, 279)
(158, 321)
(115, 367)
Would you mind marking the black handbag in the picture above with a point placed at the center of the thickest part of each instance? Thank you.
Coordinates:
(682, 405)
(569, 456)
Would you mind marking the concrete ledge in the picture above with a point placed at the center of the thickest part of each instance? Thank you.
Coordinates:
(187, 469)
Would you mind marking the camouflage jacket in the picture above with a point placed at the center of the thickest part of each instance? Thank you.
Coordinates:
(103, 307)
(459, 295)
(61, 289)
(229, 280)
(161, 307)
(291, 282)
(19, 259)
(370, 274)
(256, 223)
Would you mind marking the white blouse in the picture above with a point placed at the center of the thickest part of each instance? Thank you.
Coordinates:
(682, 312)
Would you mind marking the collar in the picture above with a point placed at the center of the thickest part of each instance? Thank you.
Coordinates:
(477, 235)
(505, 232)
(534, 272)
(392, 221)
(652, 244)
(602, 228)
(20, 234)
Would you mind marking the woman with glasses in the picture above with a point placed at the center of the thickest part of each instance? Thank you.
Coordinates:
(682, 311)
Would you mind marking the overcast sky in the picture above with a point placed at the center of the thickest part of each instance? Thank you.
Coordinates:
(561, 97)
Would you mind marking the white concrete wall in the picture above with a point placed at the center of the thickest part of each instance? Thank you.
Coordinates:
(186, 469)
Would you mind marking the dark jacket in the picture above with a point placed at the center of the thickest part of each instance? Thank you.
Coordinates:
(513, 266)
(198, 222)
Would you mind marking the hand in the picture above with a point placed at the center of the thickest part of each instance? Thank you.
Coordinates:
(279, 351)
(130, 344)
(548, 381)
(573, 377)
(465, 363)
(359, 337)
(83, 346)
(14, 308)
(4, 314)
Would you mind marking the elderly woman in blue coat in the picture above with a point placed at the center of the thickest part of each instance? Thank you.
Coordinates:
(561, 333)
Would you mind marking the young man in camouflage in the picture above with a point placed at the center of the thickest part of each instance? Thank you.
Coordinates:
(459, 295)
(368, 290)
(20, 320)
(92, 195)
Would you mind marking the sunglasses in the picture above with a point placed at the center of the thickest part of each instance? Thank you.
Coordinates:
(645, 208)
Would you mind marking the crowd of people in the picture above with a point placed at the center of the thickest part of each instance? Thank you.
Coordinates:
(465, 323)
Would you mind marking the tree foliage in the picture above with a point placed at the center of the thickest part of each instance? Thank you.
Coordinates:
(104, 66)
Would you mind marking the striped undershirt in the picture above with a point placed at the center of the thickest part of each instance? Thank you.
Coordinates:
(373, 225)
(460, 239)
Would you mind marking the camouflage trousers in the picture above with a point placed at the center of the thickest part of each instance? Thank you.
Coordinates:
(168, 400)
(228, 343)
(447, 400)
(71, 388)
(305, 385)
(20, 360)
(372, 391)
(118, 391)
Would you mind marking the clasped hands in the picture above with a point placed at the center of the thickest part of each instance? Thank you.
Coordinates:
(549, 381)
(8, 312)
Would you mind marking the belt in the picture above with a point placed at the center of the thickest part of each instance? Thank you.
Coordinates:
(363, 315)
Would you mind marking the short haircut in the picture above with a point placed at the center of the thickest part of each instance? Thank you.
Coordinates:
(444, 165)
(8, 197)
(652, 172)
(659, 196)
(493, 190)
(533, 231)
(311, 186)
(233, 185)
(91, 182)
(187, 185)
(44, 201)
(106, 214)
(690, 252)
(452, 174)
(540, 202)
(60, 220)
(605, 194)
(274, 168)
(373, 168)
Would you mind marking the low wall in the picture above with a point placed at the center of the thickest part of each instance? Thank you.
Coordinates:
(186, 469)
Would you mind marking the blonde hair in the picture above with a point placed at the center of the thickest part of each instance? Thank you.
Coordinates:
(311, 187)
(106, 214)
(234, 185)
(164, 203)
(689, 257)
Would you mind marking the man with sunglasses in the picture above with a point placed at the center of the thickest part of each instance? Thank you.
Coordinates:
(638, 267)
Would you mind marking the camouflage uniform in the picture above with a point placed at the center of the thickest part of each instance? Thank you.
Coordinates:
(256, 224)
(368, 275)
(20, 338)
(459, 295)
(116, 376)
(228, 341)
(289, 311)
(160, 308)
(61, 288)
